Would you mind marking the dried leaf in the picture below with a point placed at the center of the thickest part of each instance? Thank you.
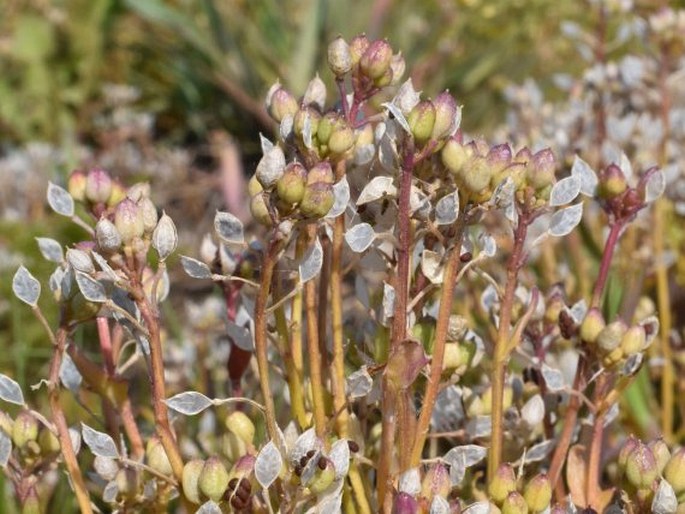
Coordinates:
(341, 193)
(91, 289)
(379, 187)
(565, 220)
(311, 262)
(10, 391)
(564, 191)
(359, 237)
(447, 209)
(554, 380)
(228, 228)
(576, 474)
(195, 268)
(359, 384)
(50, 249)
(586, 175)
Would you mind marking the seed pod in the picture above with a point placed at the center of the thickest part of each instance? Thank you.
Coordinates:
(455, 155)
(445, 111)
(592, 325)
(375, 61)
(358, 46)
(128, 220)
(157, 458)
(260, 211)
(24, 429)
(610, 336)
(76, 185)
(514, 503)
(271, 167)
(661, 453)
(98, 186)
(281, 103)
(641, 467)
(107, 236)
(634, 340)
(538, 493)
(421, 121)
(476, 174)
(341, 139)
(674, 472)
(48, 442)
(213, 479)
(165, 237)
(239, 424)
(339, 57)
(191, 479)
(502, 484)
(317, 200)
(290, 186)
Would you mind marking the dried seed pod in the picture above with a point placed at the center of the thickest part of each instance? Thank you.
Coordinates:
(339, 57)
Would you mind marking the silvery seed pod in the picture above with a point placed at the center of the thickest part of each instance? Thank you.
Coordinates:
(339, 57)
(270, 167)
(107, 236)
(165, 237)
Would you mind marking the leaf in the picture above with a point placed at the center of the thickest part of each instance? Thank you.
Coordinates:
(460, 458)
(407, 97)
(447, 209)
(195, 268)
(228, 228)
(341, 193)
(488, 245)
(106, 268)
(397, 115)
(379, 187)
(565, 220)
(209, 507)
(50, 249)
(533, 411)
(539, 451)
(80, 260)
(26, 287)
(5, 448)
(554, 380)
(268, 465)
(388, 301)
(359, 383)
(10, 391)
(359, 237)
(241, 336)
(655, 186)
(189, 403)
(110, 492)
(586, 175)
(100, 444)
(311, 262)
(60, 200)
(91, 289)
(665, 501)
(69, 374)
(340, 457)
(564, 191)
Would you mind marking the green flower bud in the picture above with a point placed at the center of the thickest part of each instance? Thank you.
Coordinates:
(538, 493)
(149, 212)
(77, 185)
(242, 426)
(191, 479)
(325, 127)
(157, 458)
(24, 429)
(117, 195)
(290, 186)
(280, 103)
(661, 453)
(254, 187)
(384, 80)
(128, 220)
(421, 121)
(540, 170)
(107, 236)
(445, 112)
(609, 338)
(592, 325)
(628, 446)
(98, 186)
(476, 174)
(341, 139)
(634, 340)
(514, 503)
(641, 467)
(303, 114)
(455, 155)
(612, 182)
(613, 358)
(674, 472)
(339, 57)
(376, 59)
(48, 442)
(315, 94)
(260, 211)
(213, 479)
(358, 46)
(321, 173)
(502, 484)
(317, 200)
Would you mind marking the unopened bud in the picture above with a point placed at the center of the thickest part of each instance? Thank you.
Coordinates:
(138, 191)
(326, 126)
(290, 186)
(270, 167)
(436, 482)
(24, 429)
(503, 483)
(117, 195)
(674, 472)
(634, 340)
(641, 467)
(341, 139)
(157, 458)
(317, 200)
(445, 112)
(128, 220)
(213, 479)
(499, 157)
(323, 478)
(339, 57)
(77, 185)
(165, 237)
(315, 94)
(98, 186)
(523, 156)
(592, 325)
(421, 121)
(149, 211)
(612, 182)
(260, 210)
(322, 173)
(375, 61)
(48, 442)
(455, 155)
(610, 336)
(476, 174)
(107, 236)
(404, 503)
(281, 103)
(242, 426)
(358, 46)
(540, 170)
(538, 493)
(661, 453)
(514, 503)
(191, 479)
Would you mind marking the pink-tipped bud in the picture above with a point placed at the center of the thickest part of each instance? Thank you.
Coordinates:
(514, 503)
(98, 186)
(375, 61)
(661, 453)
(321, 172)
(436, 482)
(77, 185)
(641, 467)
(538, 493)
(150, 217)
(290, 186)
(341, 139)
(24, 429)
(612, 182)
(358, 46)
(592, 325)
(280, 103)
(502, 484)
(499, 157)
(405, 504)
(445, 112)
(540, 170)
(128, 220)
(339, 57)
(674, 472)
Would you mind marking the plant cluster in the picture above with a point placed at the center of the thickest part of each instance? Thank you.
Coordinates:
(404, 338)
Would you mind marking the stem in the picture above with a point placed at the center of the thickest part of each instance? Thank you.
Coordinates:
(387, 442)
(441, 326)
(60, 422)
(593, 488)
(501, 350)
(610, 246)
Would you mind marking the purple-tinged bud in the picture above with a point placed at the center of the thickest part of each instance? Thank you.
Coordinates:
(455, 155)
(612, 182)
(674, 472)
(213, 479)
(157, 458)
(514, 503)
(523, 156)
(499, 157)
(397, 67)
(107, 236)
(641, 467)
(260, 210)
(592, 325)
(436, 482)
(165, 237)
(445, 112)
(321, 172)
(326, 126)
(538, 493)
(191, 479)
(98, 186)
(315, 94)
(317, 200)
(128, 220)
(117, 195)
(290, 186)
(24, 429)
(503, 483)
(405, 504)
(341, 140)
(244, 466)
(281, 103)
(610, 336)
(147, 207)
(661, 453)
(476, 174)
(77, 185)
(339, 57)
(540, 170)
(375, 61)
(634, 340)
(271, 167)
(358, 46)
(421, 121)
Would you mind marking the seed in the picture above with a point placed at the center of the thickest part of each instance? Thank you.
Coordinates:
(322, 463)
(353, 446)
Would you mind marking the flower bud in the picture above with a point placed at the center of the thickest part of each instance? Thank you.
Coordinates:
(436, 482)
(165, 237)
(117, 195)
(48, 442)
(674, 472)
(322, 173)
(254, 187)
(339, 57)
(538, 493)
(24, 429)
(157, 458)
(592, 325)
(138, 191)
(385, 79)
(128, 220)
(503, 483)
(77, 185)
(149, 211)
(499, 157)
(634, 340)
(455, 155)
(641, 467)
(260, 210)
(317, 200)
(523, 156)
(476, 174)
(445, 111)
(107, 236)
(375, 61)
(421, 121)
(628, 447)
(309, 115)
(191, 479)
(213, 479)
(325, 127)
(290, 186)
(270, 167)
(612, 182)
(610, 336)
(514, 504)
(358, 46)
(281, 103)
(540, 170)
(404, 503)
(315, 94)
(98, 186)
(341, 139)
(242, 426)
(661, 453)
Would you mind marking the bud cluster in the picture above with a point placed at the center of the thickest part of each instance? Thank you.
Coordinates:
(535, 496)
(210, 480)
(617, 197)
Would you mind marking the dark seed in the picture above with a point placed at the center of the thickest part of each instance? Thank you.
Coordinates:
(245, 486)
(303, 461)
(353, 446)
(233, 484)
(322, 463)
(465, 257)
(298, 470)
(310, 454)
